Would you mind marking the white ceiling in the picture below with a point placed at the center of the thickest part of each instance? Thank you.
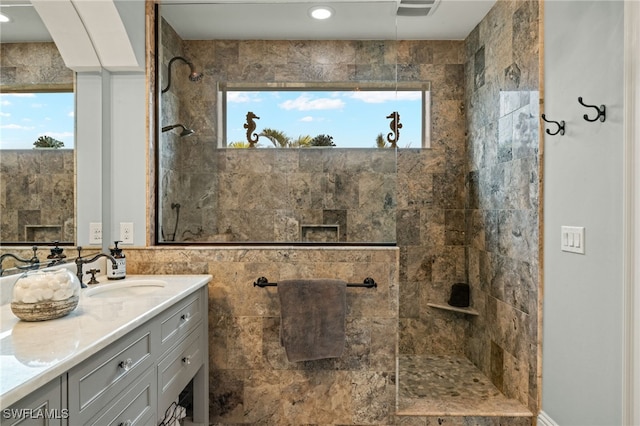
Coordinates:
(283, 20)
(25, 24)
(289, 20)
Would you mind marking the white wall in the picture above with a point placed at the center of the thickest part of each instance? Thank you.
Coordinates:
(129, 155)
(583, 303)
(111, 143)
(88, 117)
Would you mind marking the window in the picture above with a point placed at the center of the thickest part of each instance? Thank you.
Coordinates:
(37, 167)
(26, 117)
(299, 114)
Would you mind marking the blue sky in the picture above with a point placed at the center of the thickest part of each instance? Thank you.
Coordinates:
(353, 118)
(26, 116)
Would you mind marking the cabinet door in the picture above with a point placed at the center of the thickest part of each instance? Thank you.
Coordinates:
(178, 367)
(178, 321)
(42, 407)
(106, 375)
(136, 407)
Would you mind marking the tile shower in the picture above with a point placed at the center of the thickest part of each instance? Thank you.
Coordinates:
(465, 209)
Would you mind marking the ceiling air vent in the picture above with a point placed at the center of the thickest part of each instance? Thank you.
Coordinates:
(416, 7)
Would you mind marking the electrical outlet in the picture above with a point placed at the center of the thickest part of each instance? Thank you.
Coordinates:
(95, 233)
(126, 232)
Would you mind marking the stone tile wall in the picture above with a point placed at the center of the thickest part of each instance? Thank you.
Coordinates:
(36, 187)
(502, 98)
(430, 182)
(286, 195)
(251, 381)
(171, 145)
(33, 67)
(37, 195)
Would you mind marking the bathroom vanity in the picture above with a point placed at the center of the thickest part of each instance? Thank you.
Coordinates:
(123, 357)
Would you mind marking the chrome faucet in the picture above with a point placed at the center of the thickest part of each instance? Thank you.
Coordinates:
(34, 262)
(80, 261)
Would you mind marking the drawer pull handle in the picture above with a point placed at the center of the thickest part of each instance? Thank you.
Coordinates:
(127, 423)
(126, 364)
(186, 360)
(185, 317)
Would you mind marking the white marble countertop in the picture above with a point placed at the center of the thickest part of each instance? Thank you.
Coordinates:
(34, 353)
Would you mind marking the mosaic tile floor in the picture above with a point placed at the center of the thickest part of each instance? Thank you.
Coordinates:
(449, 386)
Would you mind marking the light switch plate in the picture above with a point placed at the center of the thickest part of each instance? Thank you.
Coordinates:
(572, 239)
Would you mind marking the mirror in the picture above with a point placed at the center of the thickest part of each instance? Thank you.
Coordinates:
(209, 192)
(37, 96)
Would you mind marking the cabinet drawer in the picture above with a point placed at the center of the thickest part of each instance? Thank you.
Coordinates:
(178, 367)
(180, 319)
(136, 407)
(98, 380)
(42, 407)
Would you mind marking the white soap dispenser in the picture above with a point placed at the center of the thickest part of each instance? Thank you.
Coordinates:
(121, 272)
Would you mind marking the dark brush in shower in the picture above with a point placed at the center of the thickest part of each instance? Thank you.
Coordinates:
(459, 295)
(194, 76)
(185, 130)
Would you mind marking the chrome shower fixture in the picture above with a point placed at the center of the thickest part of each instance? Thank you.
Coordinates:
(194, 76)
(185, 130)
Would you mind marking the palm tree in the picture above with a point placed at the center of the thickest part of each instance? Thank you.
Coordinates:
(380, 142)
(239, 144)
(278, 138)
(302, 141)
(48, 142)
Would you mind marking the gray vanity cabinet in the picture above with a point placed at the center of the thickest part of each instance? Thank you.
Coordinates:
(42, 407)
(135, 379)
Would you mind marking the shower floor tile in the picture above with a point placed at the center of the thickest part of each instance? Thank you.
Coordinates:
(430, 385)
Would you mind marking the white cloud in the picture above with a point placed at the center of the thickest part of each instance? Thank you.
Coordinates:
(242, 97)
(71, 114)
(304, 102)
(385, 96)
(19, 95)
(5, 114)
(57, 135)
(307, 119)
(37, 105)
(15, 127)
(4, 102)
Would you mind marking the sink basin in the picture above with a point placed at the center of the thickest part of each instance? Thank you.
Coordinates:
(131, 288)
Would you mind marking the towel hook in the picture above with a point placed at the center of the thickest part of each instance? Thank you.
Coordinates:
(602, 112)
(560, 126)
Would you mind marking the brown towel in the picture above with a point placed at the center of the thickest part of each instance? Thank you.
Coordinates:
(312, 318)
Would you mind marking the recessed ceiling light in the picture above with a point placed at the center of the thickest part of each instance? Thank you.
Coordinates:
(4, 18)
(321, 12)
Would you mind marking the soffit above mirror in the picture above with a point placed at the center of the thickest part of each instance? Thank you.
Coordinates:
(90, 35)
(289, 20)
(25, 25)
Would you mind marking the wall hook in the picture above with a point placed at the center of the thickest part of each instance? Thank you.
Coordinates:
(560, 126)
(602, 111)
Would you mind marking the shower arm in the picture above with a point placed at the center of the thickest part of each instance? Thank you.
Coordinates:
(193, 76)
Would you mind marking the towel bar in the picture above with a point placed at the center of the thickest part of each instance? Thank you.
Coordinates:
(367, 283)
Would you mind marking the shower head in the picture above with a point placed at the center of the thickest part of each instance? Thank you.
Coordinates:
(194, 76)
(185, 130)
